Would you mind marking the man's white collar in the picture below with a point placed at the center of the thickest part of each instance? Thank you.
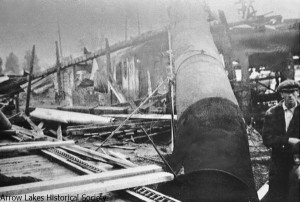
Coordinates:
(291, 109)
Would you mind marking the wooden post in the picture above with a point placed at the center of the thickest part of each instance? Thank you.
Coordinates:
(74, 77)
(171, 92)
(17, 102)
(29, 82)
(108, 67)
(59, 87)
(60, 53)
(59, 132)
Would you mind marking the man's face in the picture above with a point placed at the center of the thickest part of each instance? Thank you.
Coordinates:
(290, 98)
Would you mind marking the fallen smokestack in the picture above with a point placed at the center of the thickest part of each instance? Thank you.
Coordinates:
(211, 141)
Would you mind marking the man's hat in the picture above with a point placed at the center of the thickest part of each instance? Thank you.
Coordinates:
(288, 86)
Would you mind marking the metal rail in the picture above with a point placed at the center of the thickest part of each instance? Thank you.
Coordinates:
(147, 194)
(75, 160)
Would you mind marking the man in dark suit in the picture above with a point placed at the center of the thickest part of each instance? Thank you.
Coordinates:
(281, 133)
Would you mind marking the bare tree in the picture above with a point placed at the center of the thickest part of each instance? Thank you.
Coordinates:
(27, 60)
(12, 64)
(1, 62)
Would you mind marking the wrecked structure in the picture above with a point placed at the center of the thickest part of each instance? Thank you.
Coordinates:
(210, 136)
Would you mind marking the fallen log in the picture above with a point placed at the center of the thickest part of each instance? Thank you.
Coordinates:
(69, 117)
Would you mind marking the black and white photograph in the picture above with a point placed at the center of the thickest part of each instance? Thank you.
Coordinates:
(149, 100)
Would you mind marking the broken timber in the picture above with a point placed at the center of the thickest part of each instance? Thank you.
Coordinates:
(143, 116)
(34, 127)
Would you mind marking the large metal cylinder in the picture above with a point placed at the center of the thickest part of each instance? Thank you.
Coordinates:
(211, 139)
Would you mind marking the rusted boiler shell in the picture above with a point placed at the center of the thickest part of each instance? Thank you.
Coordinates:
(212, 141)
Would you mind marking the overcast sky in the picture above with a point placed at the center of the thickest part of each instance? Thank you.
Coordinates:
(27, 22)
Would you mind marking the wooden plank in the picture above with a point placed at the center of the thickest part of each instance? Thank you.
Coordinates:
(80, 180)
(107, 186)
(35, 166)
(143, 116)
(29, 81)
(35, 145)
(59, 132)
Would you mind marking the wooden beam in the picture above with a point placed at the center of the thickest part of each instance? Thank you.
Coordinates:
(101, 52)
(58, 73)
(143, 116)
(59, 132)
(35, 145)
(80, 180)
(107, 185)
(17, 103)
